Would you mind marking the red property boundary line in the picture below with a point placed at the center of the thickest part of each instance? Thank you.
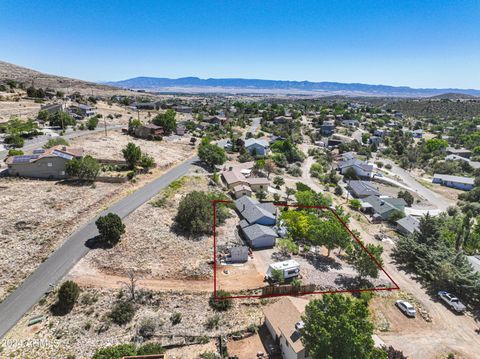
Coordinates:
(215, 297)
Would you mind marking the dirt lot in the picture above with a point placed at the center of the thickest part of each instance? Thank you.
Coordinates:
(150, 247)
(38, 215)
(164, 152)
(87, 326)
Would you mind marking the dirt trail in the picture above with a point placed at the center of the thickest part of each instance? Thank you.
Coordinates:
(86, 276)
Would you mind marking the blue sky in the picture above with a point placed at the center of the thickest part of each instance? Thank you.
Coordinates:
(418, 43)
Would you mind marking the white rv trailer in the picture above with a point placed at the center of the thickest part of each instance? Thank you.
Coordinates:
(290, 269)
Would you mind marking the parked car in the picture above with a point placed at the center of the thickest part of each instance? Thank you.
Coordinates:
(452, 301)
(406, 308)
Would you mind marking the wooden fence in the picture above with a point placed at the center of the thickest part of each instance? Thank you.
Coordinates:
(288, 289)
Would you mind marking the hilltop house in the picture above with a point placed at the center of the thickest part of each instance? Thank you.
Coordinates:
(42, 163)
(256, 147)
(83, 110)
(283, 321)
(458, 182)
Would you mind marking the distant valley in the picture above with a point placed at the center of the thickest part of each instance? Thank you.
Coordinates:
(257, 86)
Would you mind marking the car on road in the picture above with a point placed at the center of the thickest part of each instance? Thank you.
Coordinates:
(452, 301)
(406, 308)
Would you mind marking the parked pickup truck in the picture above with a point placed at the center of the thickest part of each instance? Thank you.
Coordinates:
(452, 301)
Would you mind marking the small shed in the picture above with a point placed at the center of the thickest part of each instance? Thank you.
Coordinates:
(238, 254)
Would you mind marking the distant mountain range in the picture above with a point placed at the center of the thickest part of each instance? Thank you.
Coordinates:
(239, 85)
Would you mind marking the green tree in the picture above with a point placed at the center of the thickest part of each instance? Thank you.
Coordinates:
(261, 195)
(166, 121)
(395, 216)
(92, 123)
(195, 213)
(363, 263)
(355, 204)
(110, 227)
(132, 155)
(85, 168)
(407, 196)
(338, 326)
(68, 295)
(147, 161)
(338, 190)
(212, 154)
(61, 119)
(56, 142)
(289, 192)
(278, 181)
(287, 246)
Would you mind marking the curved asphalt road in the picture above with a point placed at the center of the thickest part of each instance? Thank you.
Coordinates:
(63, 259)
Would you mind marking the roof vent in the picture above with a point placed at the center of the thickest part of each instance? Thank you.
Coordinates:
(299, 325)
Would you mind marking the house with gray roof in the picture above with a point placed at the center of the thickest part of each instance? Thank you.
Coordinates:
(458, 182)
(259, 236)
(258, 220)
(238, 254)
(256, 146)
(362, 189)
(408, 225)
(255, 212)
(361, 168)
(383, 207)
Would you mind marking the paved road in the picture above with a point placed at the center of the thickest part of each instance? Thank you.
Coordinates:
(61, 261)
(255, 124)
(39, 141)
(434, 198)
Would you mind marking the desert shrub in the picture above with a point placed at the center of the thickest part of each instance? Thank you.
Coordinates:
(15, 152)
(115, 352)
(122, 312)
(147, 328)
(150, 349)
(56, 142)
(176, 318)
(220, 303)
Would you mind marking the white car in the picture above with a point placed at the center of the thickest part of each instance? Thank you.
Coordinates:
(406, 308)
